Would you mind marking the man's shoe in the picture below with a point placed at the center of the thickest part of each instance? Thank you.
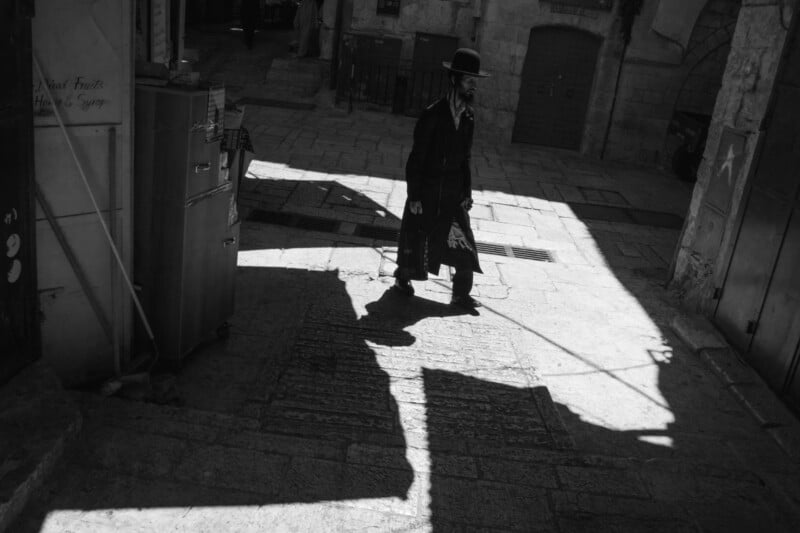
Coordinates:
(403, 286)
(465, 302)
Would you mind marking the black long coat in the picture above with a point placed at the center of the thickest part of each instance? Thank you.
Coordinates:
(437, 174)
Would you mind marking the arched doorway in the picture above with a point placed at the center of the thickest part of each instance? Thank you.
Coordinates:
(556, 85)
(704, 64)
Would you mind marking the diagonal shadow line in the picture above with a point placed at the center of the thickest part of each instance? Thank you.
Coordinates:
(589, 372)
(566, 350)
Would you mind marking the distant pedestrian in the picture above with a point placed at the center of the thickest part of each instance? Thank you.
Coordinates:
(306, 25)
(250, 15)
(435, 229)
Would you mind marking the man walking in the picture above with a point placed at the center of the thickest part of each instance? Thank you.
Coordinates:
(435, 229)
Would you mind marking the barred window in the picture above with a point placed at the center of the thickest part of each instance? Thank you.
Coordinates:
(599, 5)
(388, 7)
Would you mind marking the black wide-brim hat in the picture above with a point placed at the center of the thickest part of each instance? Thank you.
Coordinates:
(466, 61)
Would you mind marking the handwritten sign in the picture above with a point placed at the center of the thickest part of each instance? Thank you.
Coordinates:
(75, 93)
(89, 88)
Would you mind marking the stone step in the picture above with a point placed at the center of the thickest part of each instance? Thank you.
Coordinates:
(38, 420)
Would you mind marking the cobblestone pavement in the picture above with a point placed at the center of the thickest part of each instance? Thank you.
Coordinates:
(524, 197)
(565, 404)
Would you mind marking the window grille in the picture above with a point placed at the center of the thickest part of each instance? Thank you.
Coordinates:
(388, 7)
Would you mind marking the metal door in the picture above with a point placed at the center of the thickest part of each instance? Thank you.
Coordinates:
(431, 49)
(19, 334)
(759, 310)
(380, 59)
(759, 241)
(368, 68)
(776, 336)
(428, 80)
(556, 85)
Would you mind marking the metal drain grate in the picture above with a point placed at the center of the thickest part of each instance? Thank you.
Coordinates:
(270, 217)
(532, 254)
(294, 221)
(642, 217)
(271, 102)
(317, 224)
(603, 196)
(377, 232)
(494, 249)
(656, 219)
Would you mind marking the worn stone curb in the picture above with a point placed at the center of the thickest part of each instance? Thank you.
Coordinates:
(697, 332)
(746, 385)
(42, 421)
(562, 439)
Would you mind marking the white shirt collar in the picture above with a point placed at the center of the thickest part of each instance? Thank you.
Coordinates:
(456, 112)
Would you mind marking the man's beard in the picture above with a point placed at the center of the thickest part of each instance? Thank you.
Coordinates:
(467, 96)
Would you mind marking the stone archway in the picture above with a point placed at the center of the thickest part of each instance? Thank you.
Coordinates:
(703, 67)
(694, 91)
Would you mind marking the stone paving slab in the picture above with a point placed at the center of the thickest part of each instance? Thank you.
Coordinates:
(462, 447)
(495, 193)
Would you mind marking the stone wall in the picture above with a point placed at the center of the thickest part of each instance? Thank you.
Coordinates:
(444, 17)
(643, 111)
(651, 78)
(709, 233)
(504, 30)
(660, 76)
(701, 86)
(500, 30)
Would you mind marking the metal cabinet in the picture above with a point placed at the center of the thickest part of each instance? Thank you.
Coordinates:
(185, 231)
